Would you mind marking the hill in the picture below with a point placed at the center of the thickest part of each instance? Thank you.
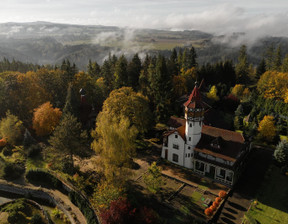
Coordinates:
(51, 43)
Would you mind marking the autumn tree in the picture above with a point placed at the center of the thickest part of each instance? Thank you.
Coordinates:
(120, 211)
(68, 137)
(45, 119)
(114, 141)
(11, 128)
(212, 94)
(105, 193)
(273, 85)
(267, 129)
(281, 153)
(124, 102)
(153, 178)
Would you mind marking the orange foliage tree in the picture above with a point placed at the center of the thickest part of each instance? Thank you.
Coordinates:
(45, 119)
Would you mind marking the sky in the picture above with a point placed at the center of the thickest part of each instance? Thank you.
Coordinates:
(215, 16)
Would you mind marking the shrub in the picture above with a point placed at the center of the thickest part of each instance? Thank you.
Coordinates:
(222, 194)
(7, 151)
(218, 199)
(208, 211)
(12, 171)
(215, 204)
(36, 219)
(213, 208)
(84, 207)
(46, 178)
(33, 151)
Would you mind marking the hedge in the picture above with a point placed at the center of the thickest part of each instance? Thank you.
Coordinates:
(84, 207)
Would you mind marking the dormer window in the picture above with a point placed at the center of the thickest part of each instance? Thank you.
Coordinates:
(217, 143)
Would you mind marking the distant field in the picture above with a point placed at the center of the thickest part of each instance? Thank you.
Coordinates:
(272, 200)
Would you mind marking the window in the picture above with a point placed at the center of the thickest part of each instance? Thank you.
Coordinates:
(199, 166)
(190, 125)
(175, 146)
(188, 147)
(188, 154)
(175, 158)
(176, 136)
(229, 176)
(221, 173)
(189, 138)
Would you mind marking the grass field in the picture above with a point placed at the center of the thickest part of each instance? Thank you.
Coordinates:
(272, 199)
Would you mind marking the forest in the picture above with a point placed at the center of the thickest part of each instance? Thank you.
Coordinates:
(52, 114)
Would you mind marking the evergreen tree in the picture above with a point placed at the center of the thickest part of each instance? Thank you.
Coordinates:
(172, 64)
(107, 74)
(68, 137)
(161, 88)
(72, 102)
(133, 71)
(242, 68)
(193, 57)
(277, 61)
(285, 64)
(120, 75)
(261, 68)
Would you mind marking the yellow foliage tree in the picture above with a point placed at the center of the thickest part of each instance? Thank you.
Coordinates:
(45, 119)
(273, 84)
(267, 129)
(238, 90)
(213, 94)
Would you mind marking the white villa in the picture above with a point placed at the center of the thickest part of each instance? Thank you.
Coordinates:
(216, 153)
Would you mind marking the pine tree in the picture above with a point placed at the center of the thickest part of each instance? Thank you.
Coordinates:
(120, 75)
(242, 68)
(133, 71)
(72, 103)
(68, 137)
(161, 88)
(261, 68)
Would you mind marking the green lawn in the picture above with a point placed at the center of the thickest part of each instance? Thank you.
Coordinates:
(272, 199)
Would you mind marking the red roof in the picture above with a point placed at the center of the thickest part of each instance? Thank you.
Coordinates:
(194, 100)
(230, 148)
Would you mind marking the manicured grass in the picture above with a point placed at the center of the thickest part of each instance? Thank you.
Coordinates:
(272, 203)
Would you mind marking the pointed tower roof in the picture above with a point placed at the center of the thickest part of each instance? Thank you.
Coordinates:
(194, 100)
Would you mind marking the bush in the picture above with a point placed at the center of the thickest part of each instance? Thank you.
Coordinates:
(36, 219)
(84, 207)
(215, 204)
(12, 171)
(222, 194)
(218, 199)
(208, 211)
(33, 151)
(46, 178)
(7, 151)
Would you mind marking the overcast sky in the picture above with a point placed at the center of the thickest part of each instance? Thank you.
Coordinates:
(216, 16)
